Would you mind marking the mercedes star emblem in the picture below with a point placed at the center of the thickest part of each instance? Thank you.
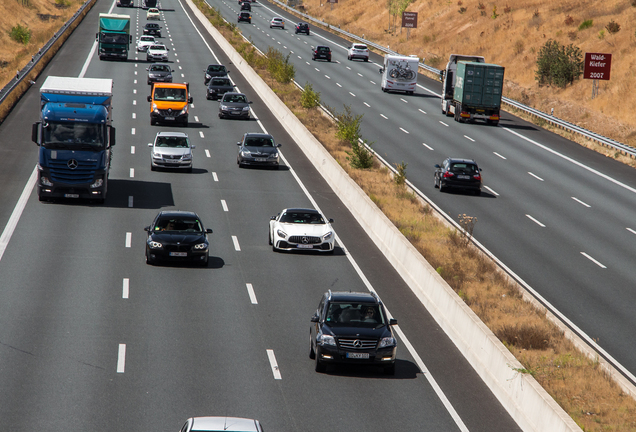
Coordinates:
(357, 343)
(305, 240)
(72, 164)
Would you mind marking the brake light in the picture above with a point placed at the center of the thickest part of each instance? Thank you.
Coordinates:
(477, 177)
(448, 174)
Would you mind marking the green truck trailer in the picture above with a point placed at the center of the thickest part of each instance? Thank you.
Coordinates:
(477, 95)
(114, 36)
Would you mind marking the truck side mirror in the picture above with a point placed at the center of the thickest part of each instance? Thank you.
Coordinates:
(149, 99)
(129, 38)
(96, 36)
(112, 136)
(441, 75)
(190, 99)
(381, 70)
(34, 132)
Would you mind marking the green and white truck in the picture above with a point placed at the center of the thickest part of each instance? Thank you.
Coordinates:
(477, 92)
(114, 36)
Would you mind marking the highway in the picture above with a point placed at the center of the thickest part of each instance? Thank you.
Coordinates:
(92, 338)
(558, 215)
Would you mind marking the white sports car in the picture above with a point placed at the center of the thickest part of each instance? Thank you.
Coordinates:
(301, 229)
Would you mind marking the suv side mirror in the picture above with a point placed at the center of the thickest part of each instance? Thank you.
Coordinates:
(315, 318)
(392, 321)
(208, 231)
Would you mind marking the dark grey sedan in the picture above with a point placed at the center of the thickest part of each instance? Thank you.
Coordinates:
(258, 149)
(218, 87)
(234, 105)
(159, 72)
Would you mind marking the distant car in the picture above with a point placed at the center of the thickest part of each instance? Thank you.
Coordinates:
(153, 14)
(234, 105)
(360, 51)
(277, 22)
(218, 86)
(229, 424)
(157, 52)
(152, 29)
(177, 236)
(171, 150)
(301, 229)
(258, 149)
(302, 27)
(245, 16)
(214, 70)
(457, 173)
(246, 6)
(321, 52)
(144, 42)
(352, 328)
(159, 72)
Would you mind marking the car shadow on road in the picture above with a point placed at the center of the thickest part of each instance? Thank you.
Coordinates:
(213, 263)
(404, 369)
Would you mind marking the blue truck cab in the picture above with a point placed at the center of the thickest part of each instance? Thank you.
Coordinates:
(75, 137)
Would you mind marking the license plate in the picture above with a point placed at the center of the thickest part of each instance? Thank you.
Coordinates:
(260, 160)
(304, 246)
(463, 177)
(172, 161)
(178, 254)
(168, 118)
(357, 355)
(71, 195)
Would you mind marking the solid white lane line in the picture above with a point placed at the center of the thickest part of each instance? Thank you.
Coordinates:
(384, 117)
(207, 153)
(132, 172)
(17, 211)
(535, 221)
(631, 230)
(125, 288)
(250, 291)
(216, 179)
(404, 130)
(581, 202)
(491, 191)
(128, 239)
(367, 104)
(443, 123)
(469, 138)
(498, 155)
(427, 146)
(130, 201)
(593, 260)
(422, 111)
(237, 247)
(273, 364)
(224, 205)
(535, 176)
(121, 358)
(132, 149)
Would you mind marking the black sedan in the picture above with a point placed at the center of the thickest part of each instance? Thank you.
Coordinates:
(457, 173)
(214, 70)
(218, 87)
(152, 29)
(258, 149)
(234, 105)
(177, 236)
(159, 72)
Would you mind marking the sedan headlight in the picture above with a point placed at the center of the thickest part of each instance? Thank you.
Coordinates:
(156, 156)
(201, 246)
(324, 339)
(169, 76)
(155, 245)
(387, 342)
(245, 153)
(187, 156)
(327, 236)
(273, 155)
(223, 107)
(246, 108)
(281, 233)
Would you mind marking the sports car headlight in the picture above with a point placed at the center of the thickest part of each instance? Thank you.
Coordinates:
(328, 235)
(281, 233)
(155, 245)
(324, 339)
(201, 246)
(387, 342)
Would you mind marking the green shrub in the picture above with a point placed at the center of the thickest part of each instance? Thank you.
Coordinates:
(309, 98)
(348, 125)
(613, 27)
(558, 64)
(20, 34)
(400, 177)
(279, 66)
(586, 24)
(359, 157)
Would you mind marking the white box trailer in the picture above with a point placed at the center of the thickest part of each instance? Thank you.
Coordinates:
(399, 73)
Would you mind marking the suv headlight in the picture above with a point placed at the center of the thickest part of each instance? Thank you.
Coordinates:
(155, 245)
(201, 246)
(156, 156)
(327, 236)
(281, 233)
(324, 339)
(387, 342)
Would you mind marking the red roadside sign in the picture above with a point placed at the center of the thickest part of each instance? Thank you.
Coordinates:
(597, 66)
(409, 19)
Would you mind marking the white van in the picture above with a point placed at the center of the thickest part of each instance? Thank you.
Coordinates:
(399, 73)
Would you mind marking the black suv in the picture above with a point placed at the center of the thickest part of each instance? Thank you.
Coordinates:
(458, 174)
(321, 52)
(352, 327)
(302, 27)
(152, 29)
(245, 16)
(246, 6)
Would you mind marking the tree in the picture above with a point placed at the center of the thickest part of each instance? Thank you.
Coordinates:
(558, 64)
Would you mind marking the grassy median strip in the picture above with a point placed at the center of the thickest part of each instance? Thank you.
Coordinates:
(577, 383)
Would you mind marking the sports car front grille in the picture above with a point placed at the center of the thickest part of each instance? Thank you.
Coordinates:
(304, 240)
(350, 343)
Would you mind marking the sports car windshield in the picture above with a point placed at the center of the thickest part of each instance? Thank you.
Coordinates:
(302, 218)
(355, 314)
(171, 224)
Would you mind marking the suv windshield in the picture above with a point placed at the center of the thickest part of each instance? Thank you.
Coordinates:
(354, 314)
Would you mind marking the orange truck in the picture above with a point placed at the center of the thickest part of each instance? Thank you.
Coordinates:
(169, 103)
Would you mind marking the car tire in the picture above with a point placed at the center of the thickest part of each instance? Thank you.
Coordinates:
(312, 353)
(435, 182)
(152, 167)
(389, 370)
(366, 59)
(320, 366)
(349, 58)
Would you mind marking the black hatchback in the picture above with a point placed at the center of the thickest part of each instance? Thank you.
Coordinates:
(245, 16)
(177, 236)
(302, 27)
(353, 328)
(455, 173)
(321, 52)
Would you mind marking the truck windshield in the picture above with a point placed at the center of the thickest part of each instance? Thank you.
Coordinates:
(74, 135)
(170, 94)
(113, 38)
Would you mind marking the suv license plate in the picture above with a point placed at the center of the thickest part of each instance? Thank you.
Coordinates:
(357, 355)
(178, 254)
(71, 195)
(168, 118)
(463, 177)
(304, 246)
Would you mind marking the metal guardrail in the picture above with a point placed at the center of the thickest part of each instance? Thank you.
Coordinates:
(563, 124)
(35, 60)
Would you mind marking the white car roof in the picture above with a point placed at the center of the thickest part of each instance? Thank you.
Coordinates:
(172, 134)
(223, 424)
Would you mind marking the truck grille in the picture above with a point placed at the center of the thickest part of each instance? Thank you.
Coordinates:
(364, 344)
(301, 240)
(84, 173)
(169, 113)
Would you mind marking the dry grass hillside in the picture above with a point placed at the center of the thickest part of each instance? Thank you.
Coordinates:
(511, 33)
(42, 17)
